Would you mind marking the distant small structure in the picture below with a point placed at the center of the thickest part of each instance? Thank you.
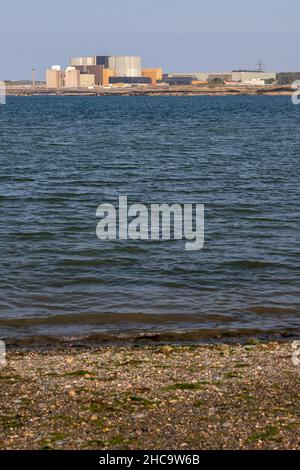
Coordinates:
(260, 66)
(255, 82)
(2, 100)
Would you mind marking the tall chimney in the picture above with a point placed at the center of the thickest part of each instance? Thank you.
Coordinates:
(33, 77)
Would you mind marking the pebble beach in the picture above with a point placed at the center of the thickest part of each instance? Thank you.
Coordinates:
(220, 396)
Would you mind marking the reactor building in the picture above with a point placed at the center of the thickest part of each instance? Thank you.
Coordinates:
(122, 66)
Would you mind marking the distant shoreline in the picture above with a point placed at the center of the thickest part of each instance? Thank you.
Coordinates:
(186, 90)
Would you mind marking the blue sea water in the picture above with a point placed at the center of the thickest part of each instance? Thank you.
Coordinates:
(60, 157)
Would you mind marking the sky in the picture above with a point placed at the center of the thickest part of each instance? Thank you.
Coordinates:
(178, 35)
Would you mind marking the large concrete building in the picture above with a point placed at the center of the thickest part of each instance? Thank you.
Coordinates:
(122, 66)
(126, 66)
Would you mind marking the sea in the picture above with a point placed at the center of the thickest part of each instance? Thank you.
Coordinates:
(61, 157)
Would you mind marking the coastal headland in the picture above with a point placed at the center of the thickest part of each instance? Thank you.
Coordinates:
(210, 396)
(183, 90)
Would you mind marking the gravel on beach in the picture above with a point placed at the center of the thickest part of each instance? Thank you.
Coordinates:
(221, 396)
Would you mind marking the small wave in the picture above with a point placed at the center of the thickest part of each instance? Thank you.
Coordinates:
(111, 318)
(263, 310)
(196, 336)
(35, 236)
(251, 264)
(97, 262)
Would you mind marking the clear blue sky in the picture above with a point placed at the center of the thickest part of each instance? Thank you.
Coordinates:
(179, 35)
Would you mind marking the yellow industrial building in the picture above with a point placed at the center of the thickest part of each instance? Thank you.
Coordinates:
(154, 74)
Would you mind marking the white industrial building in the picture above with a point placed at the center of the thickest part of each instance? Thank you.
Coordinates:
(252, 76)
(126, 66)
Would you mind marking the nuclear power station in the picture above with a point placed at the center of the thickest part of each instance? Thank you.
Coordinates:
(103, 71)
(121, 71)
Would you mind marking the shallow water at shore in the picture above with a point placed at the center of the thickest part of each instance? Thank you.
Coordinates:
(62, 157)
